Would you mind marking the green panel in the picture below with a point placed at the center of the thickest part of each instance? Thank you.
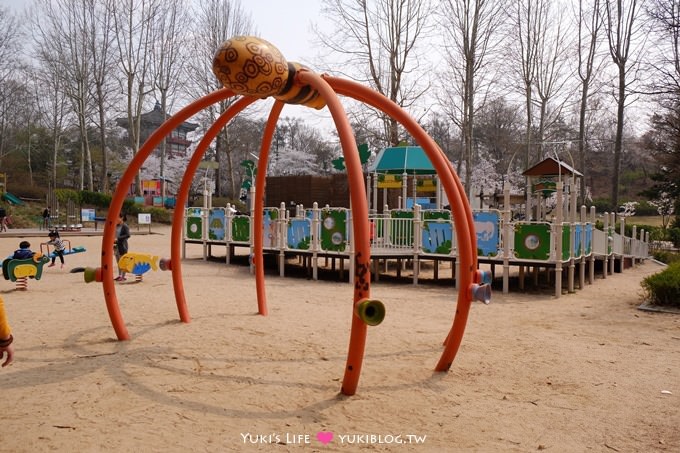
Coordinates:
(195, 227)
(436, 215)
(532, 241)
(566, 242)
(401, 233)
(333, 230)
(240, 228)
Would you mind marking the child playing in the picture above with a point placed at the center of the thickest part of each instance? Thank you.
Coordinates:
(23, 252)
(59, 248)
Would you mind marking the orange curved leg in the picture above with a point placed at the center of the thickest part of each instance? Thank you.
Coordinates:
(183, 196)
(258, 222)
(120, 194)
(362, 273)
(459, 205)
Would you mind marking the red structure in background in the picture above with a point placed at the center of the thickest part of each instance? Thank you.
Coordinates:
(259, 71)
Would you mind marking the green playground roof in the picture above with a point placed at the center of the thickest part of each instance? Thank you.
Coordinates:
(403, 159)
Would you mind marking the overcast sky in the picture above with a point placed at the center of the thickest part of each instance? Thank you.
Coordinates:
(287, 25)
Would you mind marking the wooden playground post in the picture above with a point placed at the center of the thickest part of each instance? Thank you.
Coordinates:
(591, 261)
(557, 250)
(582, 250)
(612, 232)
(507, 217)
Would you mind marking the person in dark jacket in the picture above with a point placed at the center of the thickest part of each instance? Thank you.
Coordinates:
(121, 247)
(23, 252)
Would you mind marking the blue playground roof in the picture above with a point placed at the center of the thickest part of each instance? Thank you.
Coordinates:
(403, 159)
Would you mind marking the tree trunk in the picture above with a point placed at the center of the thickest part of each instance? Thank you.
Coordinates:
(618, 143)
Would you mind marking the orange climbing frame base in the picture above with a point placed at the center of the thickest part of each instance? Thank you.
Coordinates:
(328, 88)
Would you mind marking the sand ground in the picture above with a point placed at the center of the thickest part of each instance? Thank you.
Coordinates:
(585, 372)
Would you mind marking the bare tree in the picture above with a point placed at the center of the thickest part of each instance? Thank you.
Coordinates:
(53, 105)
(10, 45)
(528, 20)
(469, 26)
(10, 35)
(100, 40)
(377, 41)
(665, 24)
(171, 30)
(551, 74)
(589, 25)
(62, 43)
(215, 22)
(621, 28)
(497, 127)
(133, 24)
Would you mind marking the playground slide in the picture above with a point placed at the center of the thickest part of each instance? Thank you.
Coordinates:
(11, 199)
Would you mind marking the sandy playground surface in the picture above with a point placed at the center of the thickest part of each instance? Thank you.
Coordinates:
(585, 372)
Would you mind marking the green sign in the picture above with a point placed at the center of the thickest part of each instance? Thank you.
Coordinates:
(532, 241)
(240, 228)
(334, 230)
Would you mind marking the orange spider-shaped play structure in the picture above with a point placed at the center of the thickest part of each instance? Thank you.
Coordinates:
(254, 69)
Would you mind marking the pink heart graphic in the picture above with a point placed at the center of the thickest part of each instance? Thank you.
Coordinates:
(324, 437)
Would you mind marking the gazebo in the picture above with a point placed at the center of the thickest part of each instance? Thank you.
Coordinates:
(547, 177)
(391, 170)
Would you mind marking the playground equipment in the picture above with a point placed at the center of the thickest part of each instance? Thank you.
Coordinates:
(45, 248)
(254, 69)
(20, 270)
(420, 235)
(134, 263)
(12, 199)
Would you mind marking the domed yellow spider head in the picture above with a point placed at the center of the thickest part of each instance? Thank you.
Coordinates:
(251, 66)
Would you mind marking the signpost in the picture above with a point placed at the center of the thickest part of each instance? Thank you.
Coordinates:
(144, 218)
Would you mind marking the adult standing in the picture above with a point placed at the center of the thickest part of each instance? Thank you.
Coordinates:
(3, 219)
(121, 247)
(46, 218)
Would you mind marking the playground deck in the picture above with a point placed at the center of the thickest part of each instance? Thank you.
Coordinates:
(570, 251)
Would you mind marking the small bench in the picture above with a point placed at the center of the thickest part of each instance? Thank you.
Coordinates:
(98, 220)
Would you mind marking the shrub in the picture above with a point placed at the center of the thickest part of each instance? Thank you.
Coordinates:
(222, 202)
(674, 236)
(666, 256)
(158, 215)
(63, 195)
(602, 205)
(26, 191)
(663, 288)
(645, 208)
(97, 199)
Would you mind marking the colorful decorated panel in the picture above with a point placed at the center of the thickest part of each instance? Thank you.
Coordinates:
(487, 227)
(240, 228)
(532, 241)
(217, 222)
(578, 241)
(334, 230)
(270, 217)
(194, 223)
(588, 245)
(437, 237)
(299, 235)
